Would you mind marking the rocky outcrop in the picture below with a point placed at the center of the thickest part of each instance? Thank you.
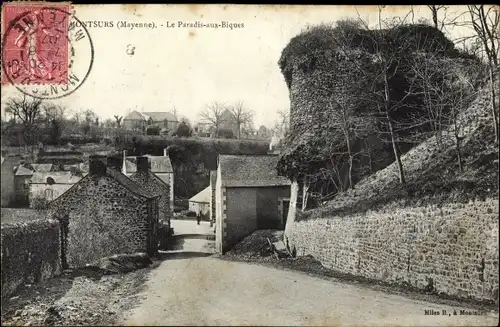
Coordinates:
(326, 72)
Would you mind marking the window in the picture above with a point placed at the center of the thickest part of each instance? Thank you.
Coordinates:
(50, 181)
(49, 194)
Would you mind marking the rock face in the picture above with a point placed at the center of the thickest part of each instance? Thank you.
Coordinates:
(325, 79)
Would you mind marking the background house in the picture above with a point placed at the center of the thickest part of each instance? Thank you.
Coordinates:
(50, 185)
(161, 166)
(249, 196)
(155, 185)
(108, 213)
(202, 129)
(200, 203)
(139, 120)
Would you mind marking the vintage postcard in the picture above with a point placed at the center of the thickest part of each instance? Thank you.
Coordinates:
(296, 165)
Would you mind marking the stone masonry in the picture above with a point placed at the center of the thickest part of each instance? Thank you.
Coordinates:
(451, 250)
(108, 214)
(152, 183)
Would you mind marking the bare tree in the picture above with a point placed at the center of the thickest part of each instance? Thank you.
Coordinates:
(485, 21)
(213, 114)
(29, 111)
(53, 112)
(282, 123)
(110, 123)
(78, 115)
(118, 120)
(90, 116)
(242, 116)
(439, 16)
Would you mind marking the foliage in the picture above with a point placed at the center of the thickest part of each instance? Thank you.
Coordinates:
(39, 203)
(184, 129)
(55, 131)
(85, 128)
(152, 130)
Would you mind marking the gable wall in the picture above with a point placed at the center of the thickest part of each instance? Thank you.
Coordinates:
(104, 219)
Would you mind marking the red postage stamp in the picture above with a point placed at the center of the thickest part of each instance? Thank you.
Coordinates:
(35, 43)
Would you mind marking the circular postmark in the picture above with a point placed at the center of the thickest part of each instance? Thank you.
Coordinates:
(47, 52)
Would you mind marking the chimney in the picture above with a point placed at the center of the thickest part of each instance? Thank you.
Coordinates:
(142, 164)
(115, 163)
(165, 154)
(97, 165)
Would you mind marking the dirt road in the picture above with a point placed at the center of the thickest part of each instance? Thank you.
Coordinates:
(191, 288)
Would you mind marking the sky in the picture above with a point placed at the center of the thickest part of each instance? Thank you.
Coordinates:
(189, 68)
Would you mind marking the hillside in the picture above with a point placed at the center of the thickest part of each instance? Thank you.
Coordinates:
(433, 176)
(347, 84)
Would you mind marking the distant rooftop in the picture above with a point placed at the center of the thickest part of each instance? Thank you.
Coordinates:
(202, 197)
(59, 177)
(250, 171)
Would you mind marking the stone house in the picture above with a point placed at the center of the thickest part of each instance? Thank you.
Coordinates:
(200, 203)
(108, 213)
(139, 120)
(50, 185)
(161, 166)
(155, 185)
(249, 195)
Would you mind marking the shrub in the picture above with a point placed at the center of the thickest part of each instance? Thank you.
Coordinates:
(39, 203)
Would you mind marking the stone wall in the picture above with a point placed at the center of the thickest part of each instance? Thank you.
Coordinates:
(156, 186)
(451, 250)
(30, 253)
(105, 218)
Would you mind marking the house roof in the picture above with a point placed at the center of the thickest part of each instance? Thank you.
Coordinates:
(160, 116)
(129, 184)
(134, 115)
(126, 182)
(23, 171)
(60, 177)
(159, 164)
(153, 176)
(202, 197)
(250, 171)
(42, 167)
(155, 115)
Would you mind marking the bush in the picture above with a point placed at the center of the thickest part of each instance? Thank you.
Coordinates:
(39, 203)
(184, 130)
